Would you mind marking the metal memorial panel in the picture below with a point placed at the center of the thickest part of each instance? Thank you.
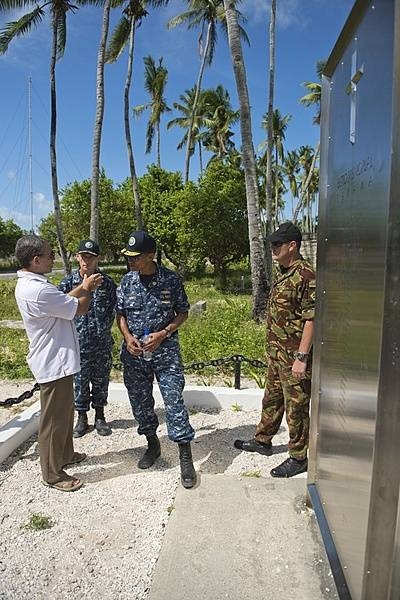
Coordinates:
(352, 246)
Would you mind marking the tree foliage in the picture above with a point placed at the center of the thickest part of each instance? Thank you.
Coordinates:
(116, 217)
(213, 219)
(9, 234)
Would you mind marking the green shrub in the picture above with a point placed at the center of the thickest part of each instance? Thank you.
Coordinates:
(38, 522)
(224, 329)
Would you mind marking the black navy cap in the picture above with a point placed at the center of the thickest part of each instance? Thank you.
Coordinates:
(139, 242)
(88, 247)
(287, 232)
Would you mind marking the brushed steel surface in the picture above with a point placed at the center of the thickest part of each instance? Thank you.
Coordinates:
(352, 243)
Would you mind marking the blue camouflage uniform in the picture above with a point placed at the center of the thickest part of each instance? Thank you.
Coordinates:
(153, 307)
(95, 342)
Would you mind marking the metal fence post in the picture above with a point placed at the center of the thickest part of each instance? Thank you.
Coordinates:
(237, 375)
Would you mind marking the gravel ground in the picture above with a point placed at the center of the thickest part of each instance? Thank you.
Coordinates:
(106, 537)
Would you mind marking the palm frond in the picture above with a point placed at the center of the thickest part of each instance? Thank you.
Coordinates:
(179, 19)
(118, 41)
(10, 4)
(139, 109)
(21, 27)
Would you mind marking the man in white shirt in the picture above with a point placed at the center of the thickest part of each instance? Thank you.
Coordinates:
(53, 354)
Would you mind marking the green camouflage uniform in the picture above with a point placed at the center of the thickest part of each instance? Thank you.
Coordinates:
(290, 304)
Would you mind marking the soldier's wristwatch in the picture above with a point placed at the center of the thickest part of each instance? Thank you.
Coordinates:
(301, 356)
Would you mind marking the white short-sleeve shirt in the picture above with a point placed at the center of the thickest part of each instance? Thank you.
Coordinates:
(48, 318)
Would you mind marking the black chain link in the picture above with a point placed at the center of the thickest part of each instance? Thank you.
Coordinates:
(21, 398)
(236, 358)
(217, 362)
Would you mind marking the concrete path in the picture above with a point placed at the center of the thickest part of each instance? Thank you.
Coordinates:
(242, 538)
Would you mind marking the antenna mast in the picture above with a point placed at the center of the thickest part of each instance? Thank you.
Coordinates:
(30, 148)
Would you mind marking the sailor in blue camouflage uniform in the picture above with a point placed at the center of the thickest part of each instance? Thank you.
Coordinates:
(95, 341)
(151, 297)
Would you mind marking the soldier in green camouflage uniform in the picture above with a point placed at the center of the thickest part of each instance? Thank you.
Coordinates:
(289, 338)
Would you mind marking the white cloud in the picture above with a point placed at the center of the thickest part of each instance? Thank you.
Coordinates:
(42, 204)
(12, 174)
(289, 13)
(22, 219)
(41, 208)
(30, 45)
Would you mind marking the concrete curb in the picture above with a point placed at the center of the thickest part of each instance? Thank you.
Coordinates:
(18, 430)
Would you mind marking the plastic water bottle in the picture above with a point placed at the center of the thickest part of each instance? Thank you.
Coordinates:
(146, 355)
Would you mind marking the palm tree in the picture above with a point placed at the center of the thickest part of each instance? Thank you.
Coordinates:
(206, 14)
(155, 82)
(124, 35)
(58, 10)
(279, 126)
(313, 98)
(98, 124)
(309, 178)
(291, 169)
(257, 254)
(185, 107)
(218, 124)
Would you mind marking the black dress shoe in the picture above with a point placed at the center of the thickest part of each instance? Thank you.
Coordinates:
(253, 446)
(290, 467)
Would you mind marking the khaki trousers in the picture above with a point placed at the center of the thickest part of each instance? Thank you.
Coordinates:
(55, 428)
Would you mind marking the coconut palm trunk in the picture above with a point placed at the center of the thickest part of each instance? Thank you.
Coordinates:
(195, 102)
(94, 190)
(128, 138)
(53, 155)
(260, 287)
(158, 144)
(270, 139)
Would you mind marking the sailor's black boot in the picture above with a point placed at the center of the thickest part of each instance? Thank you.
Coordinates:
(188, 474)
(81, 426)
(100, 424)
(152, 453)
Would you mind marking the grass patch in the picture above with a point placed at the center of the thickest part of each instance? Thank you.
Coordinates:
(224, 329)
(38, 522)
(255, 473)
(236, 407)
(14, 348)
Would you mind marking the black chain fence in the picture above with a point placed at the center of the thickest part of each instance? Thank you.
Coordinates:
(24, 396)
(236, 360)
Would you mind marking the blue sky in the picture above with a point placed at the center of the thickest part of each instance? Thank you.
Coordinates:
(306, 32)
